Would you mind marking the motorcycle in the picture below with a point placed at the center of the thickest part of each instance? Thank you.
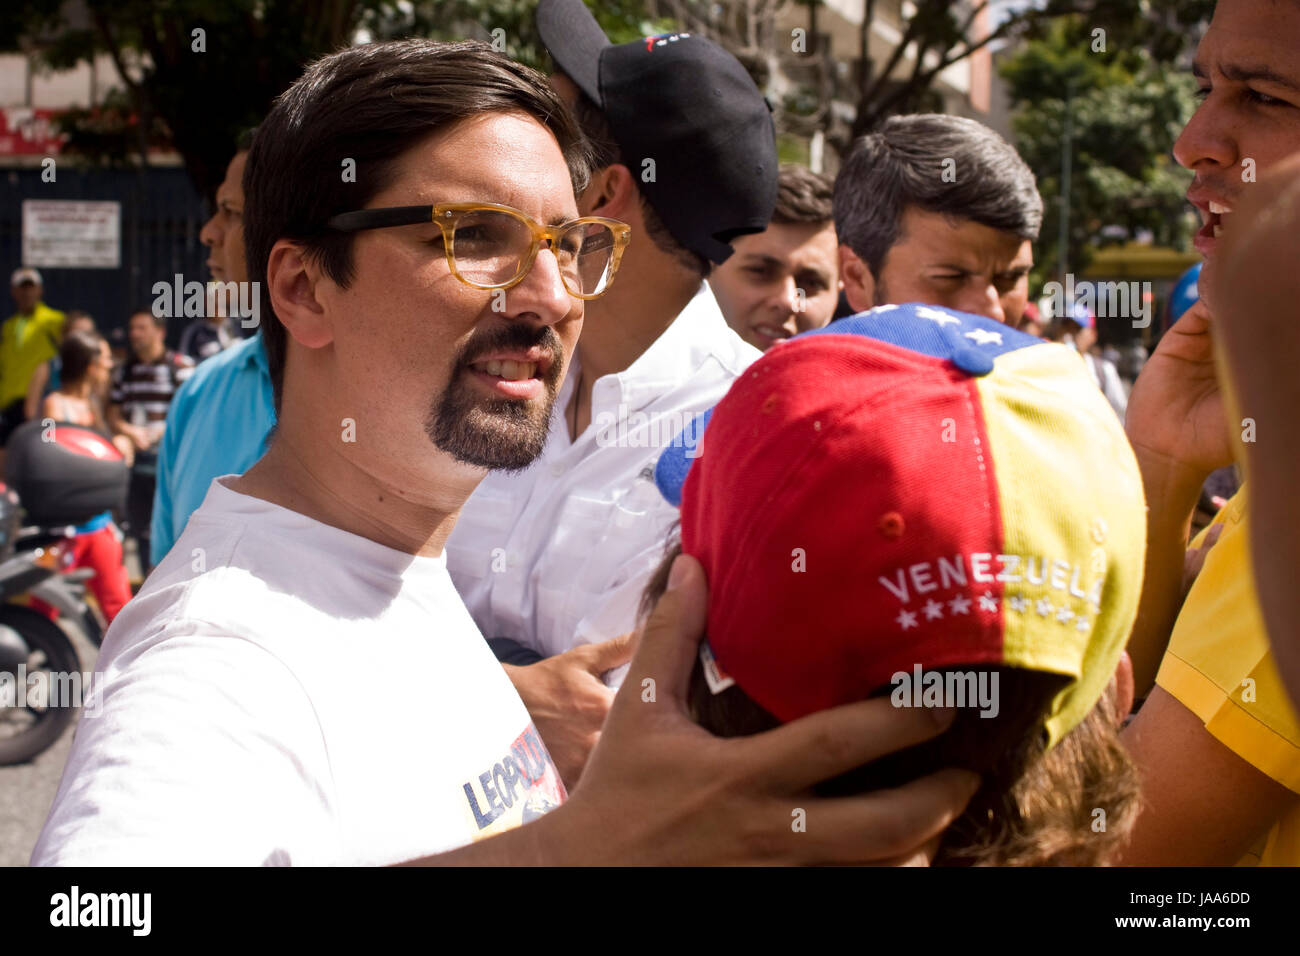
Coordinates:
(60, 477)
(37, 658)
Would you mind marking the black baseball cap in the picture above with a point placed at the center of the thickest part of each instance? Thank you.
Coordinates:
(686, 103)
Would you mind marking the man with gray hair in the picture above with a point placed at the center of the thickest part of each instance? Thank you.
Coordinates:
(940, 210)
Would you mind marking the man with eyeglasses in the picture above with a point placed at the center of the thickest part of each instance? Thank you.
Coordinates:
(298, 681)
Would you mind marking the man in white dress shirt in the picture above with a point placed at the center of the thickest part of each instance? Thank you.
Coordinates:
(551, 561)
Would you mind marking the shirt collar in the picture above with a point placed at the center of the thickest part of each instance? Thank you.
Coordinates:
(257, 353)
(698, 334)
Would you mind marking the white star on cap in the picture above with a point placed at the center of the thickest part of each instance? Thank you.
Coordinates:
(943, 318)
(906, 619)
(988, 602)
(1019, 603)
(1044, 607)
(984, 336)
(959, 605)
(933, 609)
(1064, 615)
(1082, 625)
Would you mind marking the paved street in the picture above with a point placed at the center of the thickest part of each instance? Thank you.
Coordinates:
(26, 790)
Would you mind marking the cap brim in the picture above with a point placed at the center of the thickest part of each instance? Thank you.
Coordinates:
(575, 41)
(675, 460)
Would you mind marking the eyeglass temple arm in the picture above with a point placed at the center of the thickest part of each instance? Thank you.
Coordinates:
(380, 218)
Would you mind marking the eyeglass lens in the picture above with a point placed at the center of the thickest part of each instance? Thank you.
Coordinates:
(489, 248)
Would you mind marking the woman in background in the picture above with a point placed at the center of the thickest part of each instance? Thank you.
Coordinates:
(86, 365)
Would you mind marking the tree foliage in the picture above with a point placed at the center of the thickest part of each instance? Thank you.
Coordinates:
(196, 92)
(933, 36)
(199, 102)
(1126, 111)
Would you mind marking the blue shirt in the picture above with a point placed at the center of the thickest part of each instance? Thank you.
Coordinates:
(217, 424)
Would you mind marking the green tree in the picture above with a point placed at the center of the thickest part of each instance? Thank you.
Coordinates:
(622, 21)
(817, 93)
(1125, 112)
(197, 73)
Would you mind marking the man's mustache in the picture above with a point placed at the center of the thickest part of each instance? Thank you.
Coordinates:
(516, 336)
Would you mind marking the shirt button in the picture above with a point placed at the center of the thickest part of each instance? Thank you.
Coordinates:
(557, 469)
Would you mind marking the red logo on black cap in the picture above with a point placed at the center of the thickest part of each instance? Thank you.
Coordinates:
(663, 39)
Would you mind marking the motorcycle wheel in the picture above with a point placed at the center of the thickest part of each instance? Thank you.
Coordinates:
(27, 731)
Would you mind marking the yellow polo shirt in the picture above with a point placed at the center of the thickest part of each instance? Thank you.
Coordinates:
(1219, 666)
(26, 342)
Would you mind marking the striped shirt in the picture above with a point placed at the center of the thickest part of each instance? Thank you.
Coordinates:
(145, 389)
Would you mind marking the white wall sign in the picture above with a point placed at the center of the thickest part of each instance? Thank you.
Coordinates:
(64, 234)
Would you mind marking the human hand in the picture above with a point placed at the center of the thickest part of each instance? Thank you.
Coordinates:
(568, 701)
(1176, 411)
(139, 437)
(659, 789)
(124, 445)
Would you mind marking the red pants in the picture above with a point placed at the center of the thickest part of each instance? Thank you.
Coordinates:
(100, 551)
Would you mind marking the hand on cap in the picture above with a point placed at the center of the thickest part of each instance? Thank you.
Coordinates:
(568, 700)
(660, 789)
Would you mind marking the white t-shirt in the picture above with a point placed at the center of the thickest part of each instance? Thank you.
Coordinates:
(557, 555)
(282, 691)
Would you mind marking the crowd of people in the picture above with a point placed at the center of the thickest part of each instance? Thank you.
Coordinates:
(798, 464)
(59, 367)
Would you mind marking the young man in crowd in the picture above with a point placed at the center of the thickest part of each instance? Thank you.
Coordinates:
(941, 210)
(848, 557)
(143, 388)
(28, 339)
(554, 558)
(406, 365)
(220, 419)
(785, 279)
(1217, 740)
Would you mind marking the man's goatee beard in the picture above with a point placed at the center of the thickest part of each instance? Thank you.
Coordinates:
(497, 434)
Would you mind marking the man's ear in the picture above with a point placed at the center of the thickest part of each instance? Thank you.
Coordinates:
(291, 280)
(859, 283)
(612, 194)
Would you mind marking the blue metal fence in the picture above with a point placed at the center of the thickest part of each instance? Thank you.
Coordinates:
(161, 218)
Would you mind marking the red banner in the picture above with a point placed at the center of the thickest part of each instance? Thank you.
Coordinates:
(29, 132)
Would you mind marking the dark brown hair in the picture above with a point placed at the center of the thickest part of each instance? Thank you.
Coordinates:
(1035, 807)
(803, 196)
(901, 164)
(370, 104)
(77, 353)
